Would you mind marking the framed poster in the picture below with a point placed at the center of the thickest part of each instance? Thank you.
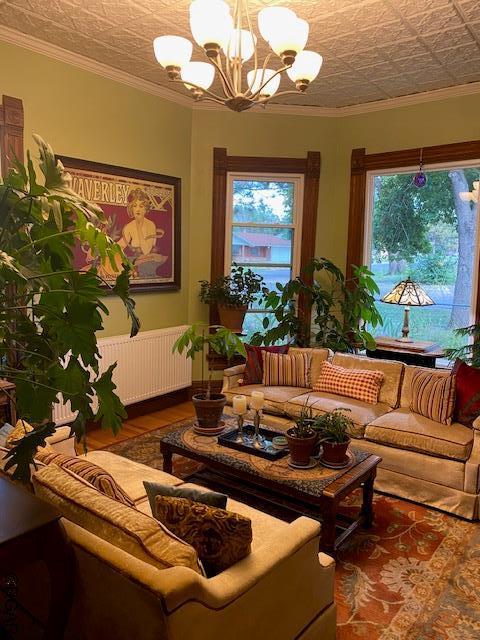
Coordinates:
(142, 212)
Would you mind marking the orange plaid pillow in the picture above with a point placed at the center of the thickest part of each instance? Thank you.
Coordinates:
(360, 384)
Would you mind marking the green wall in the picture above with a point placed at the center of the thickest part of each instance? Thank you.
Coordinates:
(87, 116)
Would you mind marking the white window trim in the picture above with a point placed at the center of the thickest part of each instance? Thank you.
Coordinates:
(441, 166)
(296, 225)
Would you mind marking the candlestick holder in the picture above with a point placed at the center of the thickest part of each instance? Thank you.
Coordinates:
(258, 441)
(240, 435)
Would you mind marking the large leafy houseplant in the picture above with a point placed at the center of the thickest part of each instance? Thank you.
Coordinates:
(338, 310)
(49, 311)
(199, 339)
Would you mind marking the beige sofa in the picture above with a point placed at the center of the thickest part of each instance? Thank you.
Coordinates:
(282, 590)
(422, 460)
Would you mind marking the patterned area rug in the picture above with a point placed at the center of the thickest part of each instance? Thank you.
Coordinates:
(414, 576)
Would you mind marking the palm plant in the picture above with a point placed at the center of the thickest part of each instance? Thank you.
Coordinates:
(334, 426)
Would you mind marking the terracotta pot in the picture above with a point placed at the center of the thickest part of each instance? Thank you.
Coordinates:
(300, 448)
(232, 317)
(209, 412)
(335, 451)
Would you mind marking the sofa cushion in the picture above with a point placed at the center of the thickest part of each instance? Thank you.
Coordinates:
(275, 397)
(433, 396)
(409, 373)
(96, 476)
(360, 384)
(393, 373)
(20, 430)
(221, 538)
(211, 498)
(265, 527)
(318, 356)
(289, 370)
(407, 430)
(467, 393)
(253, 373)
(129, 474)
(361, 413)
(122, 526)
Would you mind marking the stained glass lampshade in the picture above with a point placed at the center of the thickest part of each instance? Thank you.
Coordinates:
(408, 294)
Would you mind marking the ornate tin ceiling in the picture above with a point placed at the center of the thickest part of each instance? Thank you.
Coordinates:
(373, 49)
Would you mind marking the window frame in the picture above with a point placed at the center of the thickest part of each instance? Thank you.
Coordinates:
(455, 154)
(296, 225)
(308, 167)
(368, 225)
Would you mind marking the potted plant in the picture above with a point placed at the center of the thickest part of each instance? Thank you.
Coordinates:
(232, 295)
(196, 339)
(302, 437)
(50, 312)
(334, 428)
(338, 311)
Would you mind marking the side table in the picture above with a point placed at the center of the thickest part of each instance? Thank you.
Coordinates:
(426, 358)
(30, 530)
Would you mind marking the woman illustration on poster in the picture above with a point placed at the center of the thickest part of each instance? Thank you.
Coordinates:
(141, 235)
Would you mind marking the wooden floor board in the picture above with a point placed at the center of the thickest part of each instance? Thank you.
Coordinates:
(100, 438)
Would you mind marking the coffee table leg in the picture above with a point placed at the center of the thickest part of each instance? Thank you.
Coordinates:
(328, 534)
(167, 458)
(367, 506)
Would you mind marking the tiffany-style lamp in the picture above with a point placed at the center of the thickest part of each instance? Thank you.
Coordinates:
(409, 294)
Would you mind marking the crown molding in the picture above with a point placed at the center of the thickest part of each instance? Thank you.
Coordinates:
(12, 36)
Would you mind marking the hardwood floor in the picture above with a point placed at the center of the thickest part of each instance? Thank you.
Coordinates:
(99, 438)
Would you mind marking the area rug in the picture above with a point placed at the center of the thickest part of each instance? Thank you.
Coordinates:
(414, 576)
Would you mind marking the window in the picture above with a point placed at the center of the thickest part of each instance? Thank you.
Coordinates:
(431, 235)
(264, 230)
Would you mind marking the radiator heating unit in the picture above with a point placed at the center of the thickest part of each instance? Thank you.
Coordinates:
(146, 368)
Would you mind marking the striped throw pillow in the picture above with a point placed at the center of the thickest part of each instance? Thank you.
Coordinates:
(94, 475)
(433, 396)
(360, 384)
(291, 370)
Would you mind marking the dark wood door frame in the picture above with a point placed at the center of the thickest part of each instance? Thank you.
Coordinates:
(11, 131)
(309, 167)
(361, 163)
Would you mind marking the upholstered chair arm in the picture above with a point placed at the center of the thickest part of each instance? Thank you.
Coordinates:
(476, 423)
(231, 376)
(472, 466)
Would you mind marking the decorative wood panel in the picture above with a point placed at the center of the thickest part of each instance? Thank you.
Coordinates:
(11, 131)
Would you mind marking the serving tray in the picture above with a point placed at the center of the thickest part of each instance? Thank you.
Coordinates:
(269, 452)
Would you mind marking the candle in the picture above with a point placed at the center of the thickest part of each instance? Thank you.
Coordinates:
(239, 404)
(257, 400)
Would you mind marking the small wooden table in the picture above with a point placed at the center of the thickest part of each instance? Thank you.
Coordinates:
(405, 352)
(317, 494)
(30, 530)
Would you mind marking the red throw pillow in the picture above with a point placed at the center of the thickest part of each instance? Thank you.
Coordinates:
(467, 399)
(254, 365)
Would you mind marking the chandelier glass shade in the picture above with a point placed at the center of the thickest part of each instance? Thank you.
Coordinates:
(229, 42)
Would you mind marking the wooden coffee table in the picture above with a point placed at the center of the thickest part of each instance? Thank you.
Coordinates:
(315, 492)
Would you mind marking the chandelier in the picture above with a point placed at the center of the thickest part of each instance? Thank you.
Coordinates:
(229, 42)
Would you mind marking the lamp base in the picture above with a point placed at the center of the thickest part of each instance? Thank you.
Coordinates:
(404, 339)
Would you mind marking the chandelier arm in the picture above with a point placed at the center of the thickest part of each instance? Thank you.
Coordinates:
(226, 85)
(283, 93)
(248, 91)
(195, 86)
(210, 99)
(278, 72)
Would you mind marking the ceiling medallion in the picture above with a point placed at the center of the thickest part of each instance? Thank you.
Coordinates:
(229, 42)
